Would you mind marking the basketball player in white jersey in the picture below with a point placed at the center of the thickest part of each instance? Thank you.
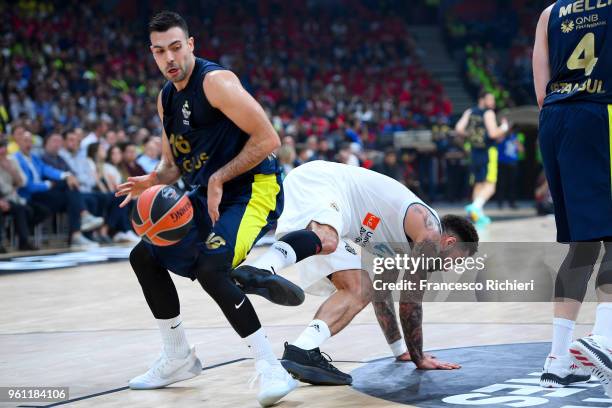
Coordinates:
(332, 212)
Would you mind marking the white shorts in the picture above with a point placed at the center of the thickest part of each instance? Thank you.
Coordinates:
(309, 198)
(314, 272)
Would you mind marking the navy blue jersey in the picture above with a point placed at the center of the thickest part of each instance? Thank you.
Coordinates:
(580, 54)
(476, 130)
(202, 139)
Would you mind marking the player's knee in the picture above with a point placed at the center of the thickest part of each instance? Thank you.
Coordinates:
(330, 243)
(212, 270)
(328, 236)
(140, 258)
(576, 270)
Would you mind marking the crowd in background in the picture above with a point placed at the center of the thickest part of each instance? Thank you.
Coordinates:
(495, 41)
(337, 79)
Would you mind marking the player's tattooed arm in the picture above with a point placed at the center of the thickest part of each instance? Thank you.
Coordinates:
(424, 229)
(385, 309)
(411, 317)
(385, 314)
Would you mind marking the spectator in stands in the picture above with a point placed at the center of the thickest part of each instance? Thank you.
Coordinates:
(508, 157)
(346, 155)
(97, 135)
(11, 178)
(110, 138)
(96, 200)
(53, 144)
(286, 158)
(129, 167)
(96, 156)
(389, 166)
(55, 189)
(151, 155)
(455, 158)
(117, 222)
(71, 153)
(112, 175)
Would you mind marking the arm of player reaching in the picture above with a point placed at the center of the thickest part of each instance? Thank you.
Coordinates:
(541, 64)
(225, 92)
(463, 122)
(424, 229)
(494, 131)
(166, 172)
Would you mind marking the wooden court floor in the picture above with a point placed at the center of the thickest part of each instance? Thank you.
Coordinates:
(90, 329)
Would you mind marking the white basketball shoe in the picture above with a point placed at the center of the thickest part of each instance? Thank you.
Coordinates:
(166, 371)
(560, 371)
(594, 353)
(274, 382)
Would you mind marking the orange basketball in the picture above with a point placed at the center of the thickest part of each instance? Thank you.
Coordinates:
(162, 215)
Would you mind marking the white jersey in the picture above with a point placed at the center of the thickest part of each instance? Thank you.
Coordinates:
(364, 206)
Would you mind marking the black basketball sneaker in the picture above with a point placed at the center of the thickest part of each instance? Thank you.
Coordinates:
(264, 283)
(313, 367)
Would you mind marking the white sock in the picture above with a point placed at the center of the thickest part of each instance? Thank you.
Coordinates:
(603, 320)
(563, 330)
(479, 203)
(279, 256)
(261, 348)
(173, 336)
(313, 336)
(398, 348)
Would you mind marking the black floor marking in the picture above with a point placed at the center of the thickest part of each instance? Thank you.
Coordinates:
(123, 388)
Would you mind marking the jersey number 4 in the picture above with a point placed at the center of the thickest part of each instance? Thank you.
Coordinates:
(583, 56)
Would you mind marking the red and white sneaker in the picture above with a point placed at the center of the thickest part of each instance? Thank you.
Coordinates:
(560, 371)
(594, 353)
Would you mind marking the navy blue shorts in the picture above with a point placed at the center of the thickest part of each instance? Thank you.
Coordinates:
(575, 144)
(484, 165)
(245, 216)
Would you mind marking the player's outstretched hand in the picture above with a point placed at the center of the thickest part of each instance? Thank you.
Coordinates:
(430, 363)
(406, 356)
(215, 192)
(133, 187)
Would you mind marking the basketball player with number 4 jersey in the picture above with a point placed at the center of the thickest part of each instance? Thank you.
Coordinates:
(572, 68)
(220, 141)
(337, 211)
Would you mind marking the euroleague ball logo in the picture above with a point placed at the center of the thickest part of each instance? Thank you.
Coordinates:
(169, 193)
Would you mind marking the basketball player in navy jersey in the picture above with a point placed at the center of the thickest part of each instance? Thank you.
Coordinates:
(218, 138)
(479, 126)
(572, 69)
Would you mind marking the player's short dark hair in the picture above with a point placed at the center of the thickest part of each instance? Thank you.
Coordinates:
(463, 230)
(484, 93)
(165, 20)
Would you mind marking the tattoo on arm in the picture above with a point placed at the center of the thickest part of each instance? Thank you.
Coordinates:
(411, 311)
(385, 309)
(385, 313)
(430, 223)
(411, 317)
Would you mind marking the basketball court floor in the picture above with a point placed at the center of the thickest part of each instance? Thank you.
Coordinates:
(89, 328)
